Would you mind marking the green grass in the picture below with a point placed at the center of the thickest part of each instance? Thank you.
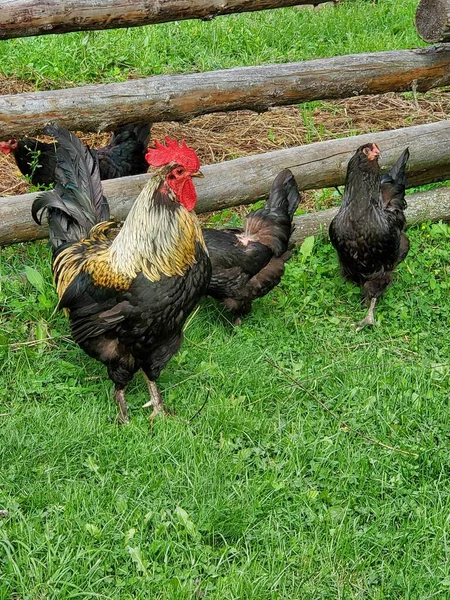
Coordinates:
(263, 495)
(282, 35)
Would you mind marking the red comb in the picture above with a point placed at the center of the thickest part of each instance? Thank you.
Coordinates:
(173, 152)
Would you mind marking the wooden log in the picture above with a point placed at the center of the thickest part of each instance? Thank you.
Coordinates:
(182, 97)
(245, 180)
(433, 20)
(20, 18)
(432, 205)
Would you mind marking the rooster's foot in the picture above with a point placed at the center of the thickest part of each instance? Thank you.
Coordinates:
(155, 400)
(122, 410)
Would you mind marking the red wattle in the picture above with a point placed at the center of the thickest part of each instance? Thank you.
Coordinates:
(188, 194)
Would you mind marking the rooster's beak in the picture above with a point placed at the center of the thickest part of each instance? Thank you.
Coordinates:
(198, 174)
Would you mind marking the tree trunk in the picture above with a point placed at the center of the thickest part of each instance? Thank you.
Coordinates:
(433, 20)
(182, 97)
(20, 18)
(245, 180)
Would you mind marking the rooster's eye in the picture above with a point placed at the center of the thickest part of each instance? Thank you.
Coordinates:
(179, 171)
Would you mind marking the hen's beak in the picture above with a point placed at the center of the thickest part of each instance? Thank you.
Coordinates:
(198, 174)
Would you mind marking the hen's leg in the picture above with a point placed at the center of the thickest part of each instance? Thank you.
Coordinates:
(155, 399)
(370, 318)
(122, 409)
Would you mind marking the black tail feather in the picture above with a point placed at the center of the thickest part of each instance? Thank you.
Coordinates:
(393, 185)
(77, 202)
(284, 193)
(397, 173)
(271, 225)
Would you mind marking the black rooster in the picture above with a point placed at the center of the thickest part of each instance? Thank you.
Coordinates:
(124, 155)
(367, 232)
(249, 262)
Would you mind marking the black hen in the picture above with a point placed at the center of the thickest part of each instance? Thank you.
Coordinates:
(367, 231)
(249, 262)
(124, 155)
(35, 159)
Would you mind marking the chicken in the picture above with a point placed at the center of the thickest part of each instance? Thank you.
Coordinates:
(367, 232)
(35, 159)
(124, 155)
(127, 293)
(249, 262)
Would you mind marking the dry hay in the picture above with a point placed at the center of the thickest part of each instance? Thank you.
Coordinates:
(224, 136)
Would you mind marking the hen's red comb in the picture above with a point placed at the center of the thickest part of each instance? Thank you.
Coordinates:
(173, 152)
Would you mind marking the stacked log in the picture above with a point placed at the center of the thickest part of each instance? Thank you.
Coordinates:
(182, 97)
(433, 20)
(245, 180)
(20, 18)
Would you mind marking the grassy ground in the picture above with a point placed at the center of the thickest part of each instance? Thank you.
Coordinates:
(263, 494)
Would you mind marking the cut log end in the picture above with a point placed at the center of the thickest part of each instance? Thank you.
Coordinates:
(433, 20)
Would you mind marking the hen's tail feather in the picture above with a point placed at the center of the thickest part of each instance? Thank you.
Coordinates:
(271, 225)
(284, 193)
(77, 202)
(398, 170)
(140, 132)
(393, 185)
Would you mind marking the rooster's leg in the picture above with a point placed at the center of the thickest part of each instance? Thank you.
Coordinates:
(370, 318)
(122, 410)
(155, 399)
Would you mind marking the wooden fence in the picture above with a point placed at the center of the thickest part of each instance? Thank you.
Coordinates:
(182, 97)
(243, 180)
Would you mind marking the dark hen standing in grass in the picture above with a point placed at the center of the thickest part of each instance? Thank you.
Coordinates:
(367, 232)
(124, 155)
(247, 263)
(128, 293)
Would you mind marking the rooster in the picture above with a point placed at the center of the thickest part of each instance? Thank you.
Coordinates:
(124, 155)
(249, 262)
(367, 232)
(128, 292)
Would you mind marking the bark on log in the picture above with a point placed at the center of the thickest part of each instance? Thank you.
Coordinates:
(182, 97)
(245, 180)
(20, 18)
(432, 205)
(433, 20)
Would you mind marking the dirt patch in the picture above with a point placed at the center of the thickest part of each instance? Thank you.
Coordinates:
(224, 136)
